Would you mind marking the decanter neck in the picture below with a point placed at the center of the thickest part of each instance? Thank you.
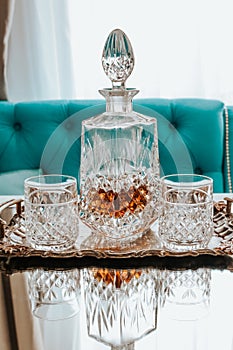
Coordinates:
(119, 100)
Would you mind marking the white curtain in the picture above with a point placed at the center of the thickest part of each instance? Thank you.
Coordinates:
(183, 48)
(39, 52)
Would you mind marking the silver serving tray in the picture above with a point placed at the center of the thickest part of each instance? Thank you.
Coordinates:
(91, 244)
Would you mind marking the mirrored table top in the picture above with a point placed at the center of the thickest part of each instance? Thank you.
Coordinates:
(105, 308)
(115, 301)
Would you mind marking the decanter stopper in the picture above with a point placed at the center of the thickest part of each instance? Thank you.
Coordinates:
(118, 58)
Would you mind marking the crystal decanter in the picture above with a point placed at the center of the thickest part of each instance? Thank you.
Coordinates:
(119, 187)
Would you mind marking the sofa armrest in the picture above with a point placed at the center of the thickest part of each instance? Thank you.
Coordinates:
(12, 182)
(228, 150)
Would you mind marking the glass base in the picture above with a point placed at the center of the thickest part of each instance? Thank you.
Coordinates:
(122, 241)
(52, 247)
(184, 247)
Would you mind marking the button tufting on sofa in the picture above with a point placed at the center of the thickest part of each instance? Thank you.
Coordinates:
(17, 126)
(198, 171)
(68, 125)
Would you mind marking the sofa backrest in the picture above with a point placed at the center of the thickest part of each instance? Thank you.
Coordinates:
(191, 136)
(45, 136)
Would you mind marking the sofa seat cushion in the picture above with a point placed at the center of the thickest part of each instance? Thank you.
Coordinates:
(12, 182)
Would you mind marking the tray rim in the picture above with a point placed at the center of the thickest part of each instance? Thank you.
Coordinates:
(20, 251)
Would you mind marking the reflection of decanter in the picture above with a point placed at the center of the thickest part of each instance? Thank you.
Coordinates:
(121, 305)
(119, 158)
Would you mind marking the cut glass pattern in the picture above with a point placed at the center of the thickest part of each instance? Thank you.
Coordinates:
(51, 220)
(54, 294)
(186, 294)
(121, 305)
(186, 222)
(118, 57)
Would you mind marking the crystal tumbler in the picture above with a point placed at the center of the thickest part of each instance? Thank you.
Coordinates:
(185, 295)
(54, 294)
(51, 214)
(186, 220)
(121, 305)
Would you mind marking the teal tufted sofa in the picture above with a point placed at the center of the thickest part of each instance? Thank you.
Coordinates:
(195, 136)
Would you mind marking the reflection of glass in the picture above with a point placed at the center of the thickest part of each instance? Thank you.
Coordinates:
(121, 305)
(185, 294)
(54, 294)
(51, 217)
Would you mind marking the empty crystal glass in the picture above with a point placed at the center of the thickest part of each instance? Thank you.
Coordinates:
(186, 220)
(51, 214)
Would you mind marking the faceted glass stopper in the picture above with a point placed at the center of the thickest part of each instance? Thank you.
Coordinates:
(118, 58)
